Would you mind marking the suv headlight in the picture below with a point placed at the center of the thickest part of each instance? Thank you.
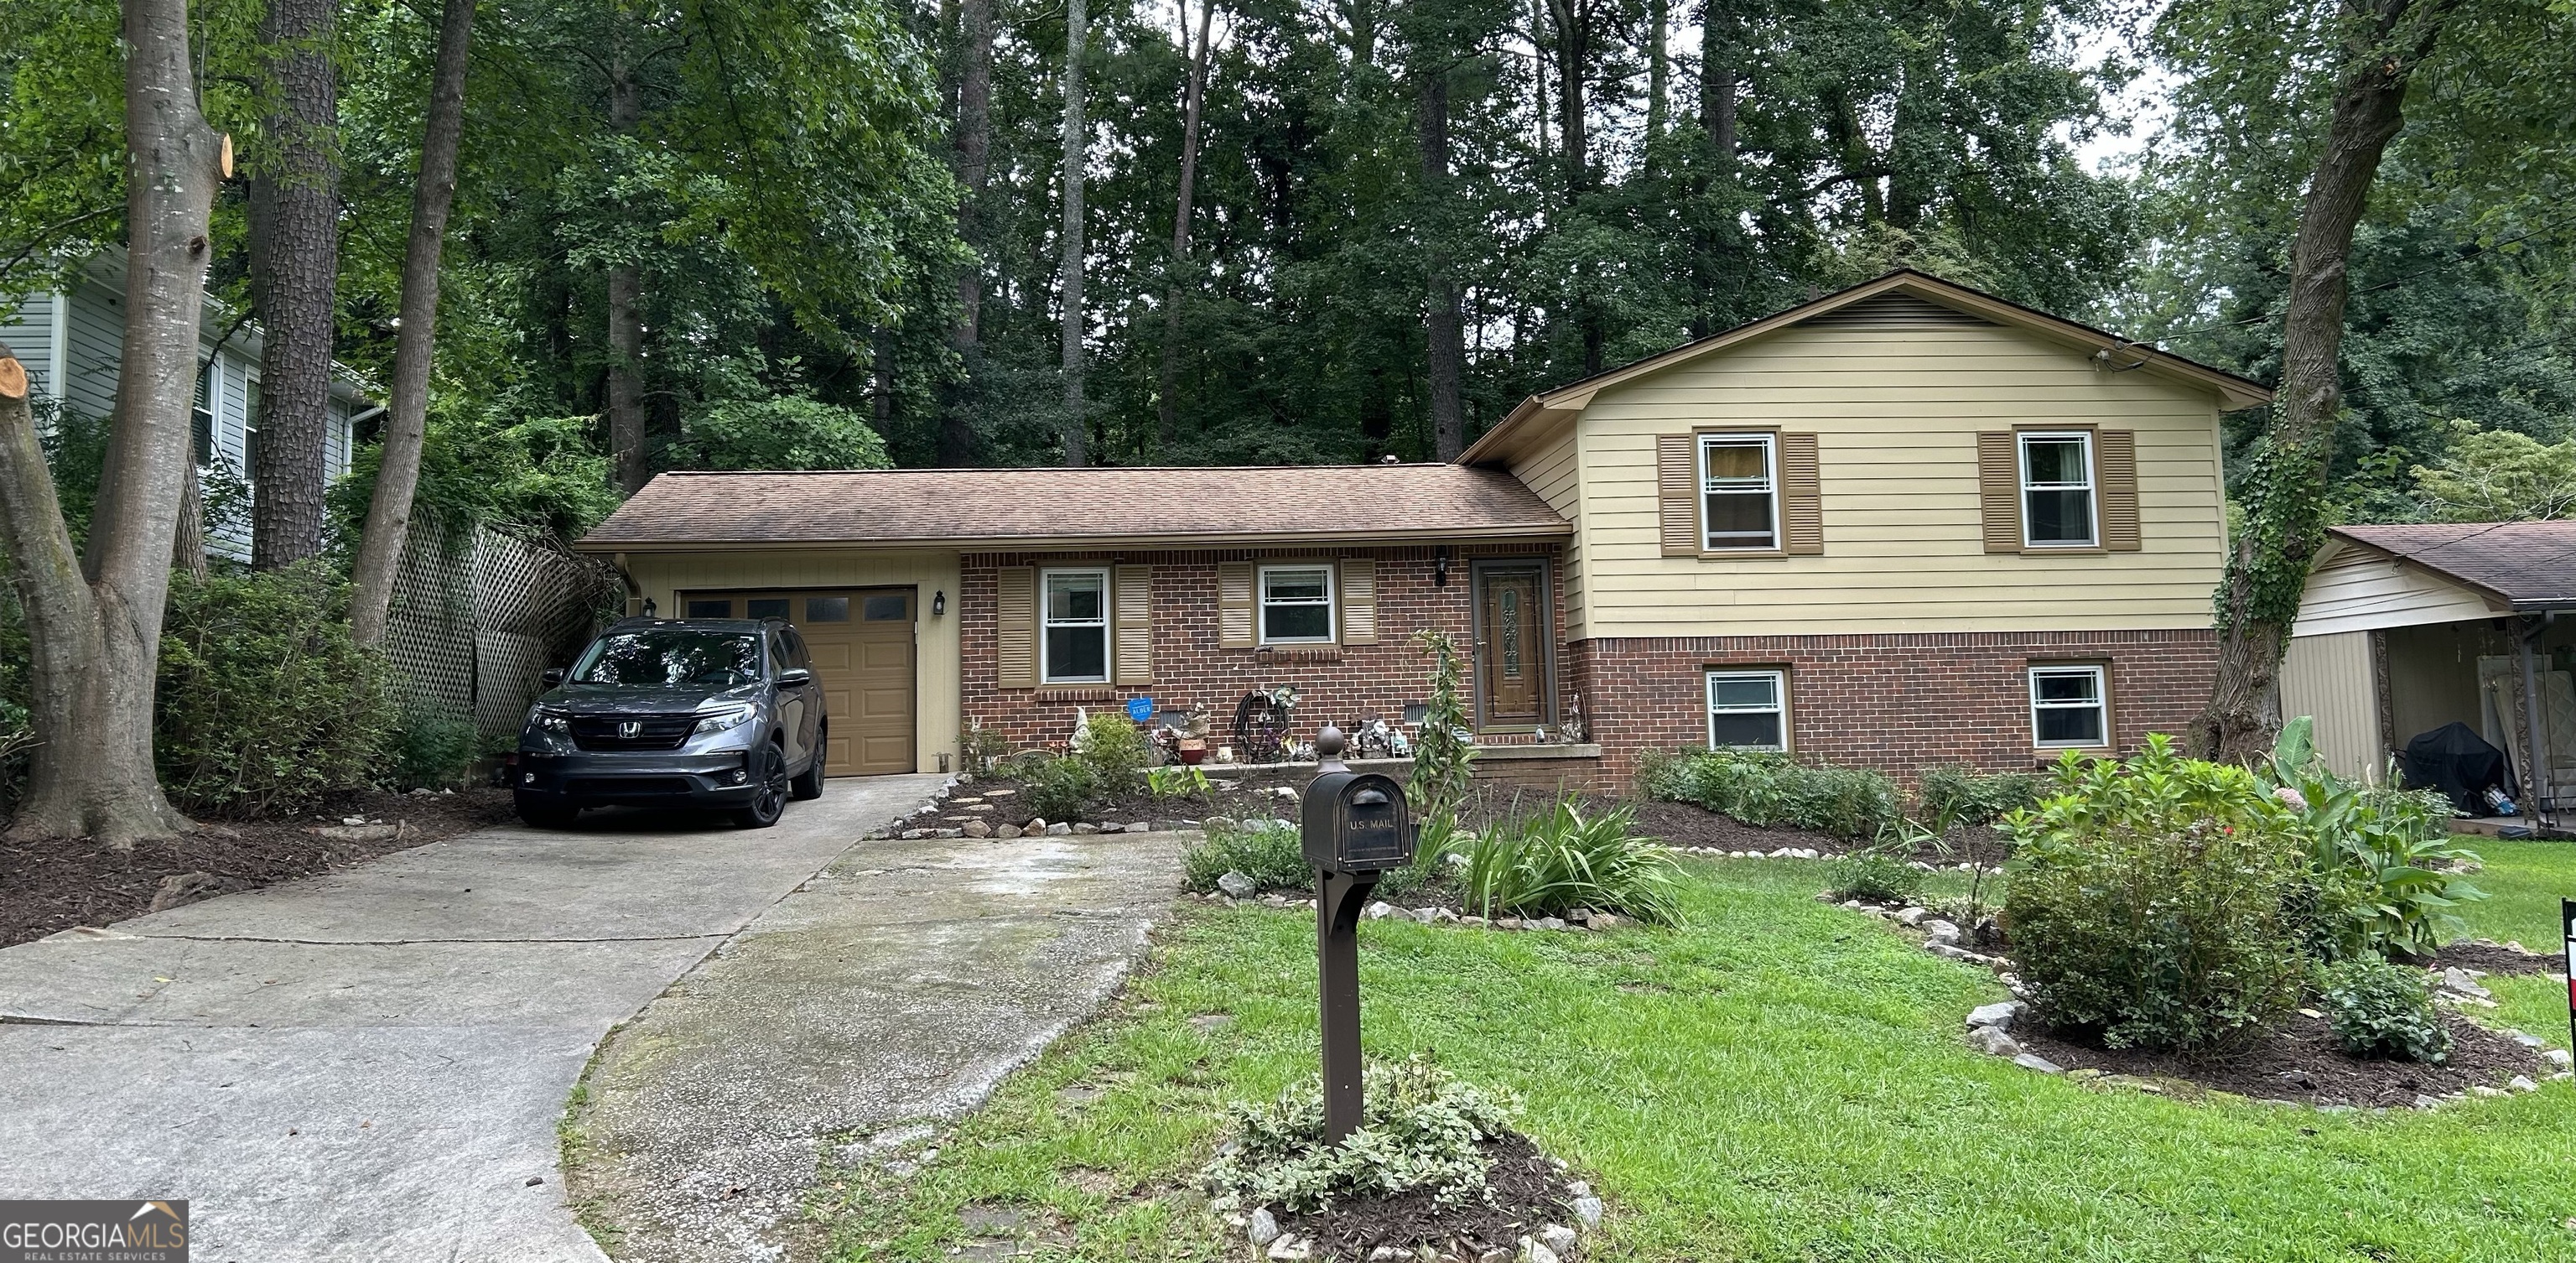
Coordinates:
(548, 719)
(725, 720)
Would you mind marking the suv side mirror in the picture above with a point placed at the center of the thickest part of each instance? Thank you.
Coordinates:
(794, 676)
(551, 677)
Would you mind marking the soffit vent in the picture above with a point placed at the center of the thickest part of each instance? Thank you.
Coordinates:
(1893, 311)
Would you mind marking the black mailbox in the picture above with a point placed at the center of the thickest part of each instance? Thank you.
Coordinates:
(1357, 822)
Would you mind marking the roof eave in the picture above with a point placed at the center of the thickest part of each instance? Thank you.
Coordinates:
(1005, 543)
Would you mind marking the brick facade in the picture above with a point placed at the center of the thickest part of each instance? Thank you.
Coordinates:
(1895, 702)
(1336, 684)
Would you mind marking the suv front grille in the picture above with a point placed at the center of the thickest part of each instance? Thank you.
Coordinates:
(653, 732)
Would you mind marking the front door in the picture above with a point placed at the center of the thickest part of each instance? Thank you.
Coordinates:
(1511, 651)
(860, 642)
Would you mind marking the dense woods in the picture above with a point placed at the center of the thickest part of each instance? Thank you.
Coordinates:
(569, 243)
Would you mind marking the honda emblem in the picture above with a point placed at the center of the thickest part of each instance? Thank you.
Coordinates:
(630, 728)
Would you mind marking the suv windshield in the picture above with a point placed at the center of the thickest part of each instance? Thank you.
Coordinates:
(672, 655)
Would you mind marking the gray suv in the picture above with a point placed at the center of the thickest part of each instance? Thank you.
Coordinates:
(704, 712)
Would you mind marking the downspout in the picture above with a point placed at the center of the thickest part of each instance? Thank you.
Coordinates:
(58, 355)
(2540, 794)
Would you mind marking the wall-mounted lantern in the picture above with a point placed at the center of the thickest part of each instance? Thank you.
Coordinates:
(1440, 566)
(938, 603)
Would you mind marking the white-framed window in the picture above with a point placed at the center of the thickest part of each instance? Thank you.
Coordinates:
(2069, 707)
(250, 431)
(2057, 490)
(1748, 710)
(1739, 503)
(1073, 626)
(1297, 605)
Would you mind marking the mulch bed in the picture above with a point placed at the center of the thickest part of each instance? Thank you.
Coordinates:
(2301, 1061)
(48, 887)
(2495, 958)
(1528, 1194)
(1240, 795)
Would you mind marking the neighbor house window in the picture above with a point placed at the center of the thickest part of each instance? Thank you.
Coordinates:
(1748, 710)
(1296, 605)
(1073, 626)
(2057, 490)
(2068, 707)
(201, 418)
(250, 433)
(1738, 504)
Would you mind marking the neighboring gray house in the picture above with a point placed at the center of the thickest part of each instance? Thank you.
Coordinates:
(72, 342)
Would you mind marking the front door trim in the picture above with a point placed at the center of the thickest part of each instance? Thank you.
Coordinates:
(1545, 569)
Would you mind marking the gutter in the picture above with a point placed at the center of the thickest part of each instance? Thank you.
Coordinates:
(1073, 543)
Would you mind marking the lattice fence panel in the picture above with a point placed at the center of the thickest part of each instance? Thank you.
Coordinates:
(429, 631)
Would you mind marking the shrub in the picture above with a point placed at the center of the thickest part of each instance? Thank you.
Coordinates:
(785, 432)
(1954, 794)
(1057, 789)
(264, 702)
(2384, 1010)
(1443, 753)
(1420, 1128)
(1273, 857)
(979, 749)
(1176, 781)
(432, 750)
(1115, 751)
(2147, 900)
(2376, 858)
(1773, 789)
(1876, 874)
(1545, 865)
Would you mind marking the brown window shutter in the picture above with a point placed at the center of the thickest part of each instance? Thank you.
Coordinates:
(1999, 490)
(1358, 599)
(1015, 633)
(1802, 500)
(1677, 493)
(1133, 611)
(1234, 605)
(2115, 478)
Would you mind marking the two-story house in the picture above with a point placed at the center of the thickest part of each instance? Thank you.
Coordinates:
(1904, 524)
(72, 340)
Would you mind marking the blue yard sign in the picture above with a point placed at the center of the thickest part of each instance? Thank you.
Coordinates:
(1140, 709)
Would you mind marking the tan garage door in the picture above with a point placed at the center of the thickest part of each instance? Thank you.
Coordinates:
(860, 640)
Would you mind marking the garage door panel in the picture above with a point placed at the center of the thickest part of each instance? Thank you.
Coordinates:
(864, 660)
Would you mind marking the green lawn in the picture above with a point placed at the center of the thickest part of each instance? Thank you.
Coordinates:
(2524, 882)
(1784, 1081)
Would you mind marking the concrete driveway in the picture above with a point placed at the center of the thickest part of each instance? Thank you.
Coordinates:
(372, 1064)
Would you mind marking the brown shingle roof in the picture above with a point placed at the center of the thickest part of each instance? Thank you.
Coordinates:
(2525, 563)
(1269, 504)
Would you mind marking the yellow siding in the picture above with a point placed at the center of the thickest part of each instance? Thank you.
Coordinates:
(2329, 679)
(936, 655)
(2354, 589)
(1896, 413)
(1551, 470)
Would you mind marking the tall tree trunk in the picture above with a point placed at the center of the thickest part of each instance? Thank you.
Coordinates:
(1166, 406)
(94, 622)
(407, 412)
(1445, 363)
(974, 171)
(1713, 230)
(2285, 487)
(1573, 59)
(1659, 21)
(625, 316)
(1077, 421)
(1538, 75)
(294, 263)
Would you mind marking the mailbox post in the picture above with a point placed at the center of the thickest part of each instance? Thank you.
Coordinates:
(1356, 825)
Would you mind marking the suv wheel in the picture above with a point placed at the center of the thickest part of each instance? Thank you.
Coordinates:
(770, 801)
(808, 784)
(538, 813)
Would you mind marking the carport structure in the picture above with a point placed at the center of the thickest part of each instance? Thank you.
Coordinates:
(2405, 628)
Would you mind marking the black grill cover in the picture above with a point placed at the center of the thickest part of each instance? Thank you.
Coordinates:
(2457, 761)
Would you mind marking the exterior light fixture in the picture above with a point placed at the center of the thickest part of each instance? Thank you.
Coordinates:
(938, 603)
(1440, 567)
(648, 607)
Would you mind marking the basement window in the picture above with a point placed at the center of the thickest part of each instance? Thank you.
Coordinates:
(2069, 707)
(1748, 710)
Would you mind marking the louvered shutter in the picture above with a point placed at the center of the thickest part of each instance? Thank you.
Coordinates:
(1234, 605)
(1358, 600)
(1802, 503)
(2115, 462)
(1133, 610)
(1677, 493)
(1999, 490)
(1015, 632)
